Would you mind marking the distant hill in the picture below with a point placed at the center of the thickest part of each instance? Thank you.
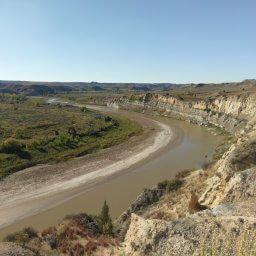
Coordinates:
(44, 88)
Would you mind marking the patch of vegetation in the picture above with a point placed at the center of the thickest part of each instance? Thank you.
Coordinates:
(170, 185)
(22, 237)
(184, 173)
(106, 226)
(207, 165)
(36, 132)
(216, 244)
(223, 147)
(79, 234)
(245, 157)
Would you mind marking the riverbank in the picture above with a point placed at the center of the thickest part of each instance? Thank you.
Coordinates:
(25, 193)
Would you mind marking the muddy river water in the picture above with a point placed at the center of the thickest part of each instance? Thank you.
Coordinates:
(193, 147)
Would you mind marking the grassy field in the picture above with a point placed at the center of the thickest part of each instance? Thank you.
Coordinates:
(33, 132)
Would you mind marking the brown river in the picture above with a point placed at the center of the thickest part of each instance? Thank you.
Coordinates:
(188, 150)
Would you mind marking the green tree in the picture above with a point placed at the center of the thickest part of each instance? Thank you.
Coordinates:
(106, 225)
(11, 146)
(83, 109)
(72, 132)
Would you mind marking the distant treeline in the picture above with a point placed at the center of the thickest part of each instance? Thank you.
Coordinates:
(48, 88)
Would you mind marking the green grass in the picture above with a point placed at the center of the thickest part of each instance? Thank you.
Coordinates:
(43, 132)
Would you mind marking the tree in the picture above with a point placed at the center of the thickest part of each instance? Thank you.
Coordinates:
(72, 132)
(11, 146)
(106, 225)
(83, 109)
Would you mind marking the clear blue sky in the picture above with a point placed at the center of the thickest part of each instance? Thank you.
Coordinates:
(128, 40)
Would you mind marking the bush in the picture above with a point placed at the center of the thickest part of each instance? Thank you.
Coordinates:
(77, 250)
(83, 109)
(31, 232)
(91, 246)
(72, 131)
(108, 119)
(131, 98)
(180, 97)
(86, 221)
(18, 133)
(49, 231)
(207, 165)
(184, 173)
(53, 241)
(170, 185)
(11, 146)
(21, 237)
(32, 144)
(107, 228)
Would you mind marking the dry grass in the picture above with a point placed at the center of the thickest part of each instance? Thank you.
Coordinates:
(227, 245)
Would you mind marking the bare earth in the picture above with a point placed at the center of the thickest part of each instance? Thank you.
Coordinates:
(21, 192)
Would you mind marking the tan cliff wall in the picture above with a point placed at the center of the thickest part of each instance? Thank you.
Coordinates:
(229, 112)
(229, 189)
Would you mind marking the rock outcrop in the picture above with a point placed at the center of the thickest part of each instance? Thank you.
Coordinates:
(228, 188)
(148, 197)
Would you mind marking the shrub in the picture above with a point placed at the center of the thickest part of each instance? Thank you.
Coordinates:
(83, 109)
(104, 241)
(32, 144)
(184, 173)
(77, 250)
(31, 232)
(131, 98)
(63, 139)
(18, 133)
(180, 97)
(72, 131)
(107, 228)
(11, 146)
(170, 185)
(148, 97)
(91, 246)
(108, 119)
(67, 233)
(207, 165)
(53, 241)
(21, 237)
(86, 221)
(49, 231)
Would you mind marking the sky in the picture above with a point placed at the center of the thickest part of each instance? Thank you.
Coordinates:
(176, 41)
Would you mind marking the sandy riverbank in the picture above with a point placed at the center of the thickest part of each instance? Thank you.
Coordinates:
(39, 188)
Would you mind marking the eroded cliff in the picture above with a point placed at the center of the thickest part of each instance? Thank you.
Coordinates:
(227, 187)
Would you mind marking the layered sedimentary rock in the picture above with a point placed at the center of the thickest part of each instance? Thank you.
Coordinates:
(229, 190)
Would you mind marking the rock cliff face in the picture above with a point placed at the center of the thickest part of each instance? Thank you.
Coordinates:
(229, 112)
(228, 188)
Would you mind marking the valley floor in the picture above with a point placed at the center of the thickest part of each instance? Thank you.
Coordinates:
(41, 187)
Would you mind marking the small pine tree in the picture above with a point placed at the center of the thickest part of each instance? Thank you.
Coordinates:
(105, 220)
